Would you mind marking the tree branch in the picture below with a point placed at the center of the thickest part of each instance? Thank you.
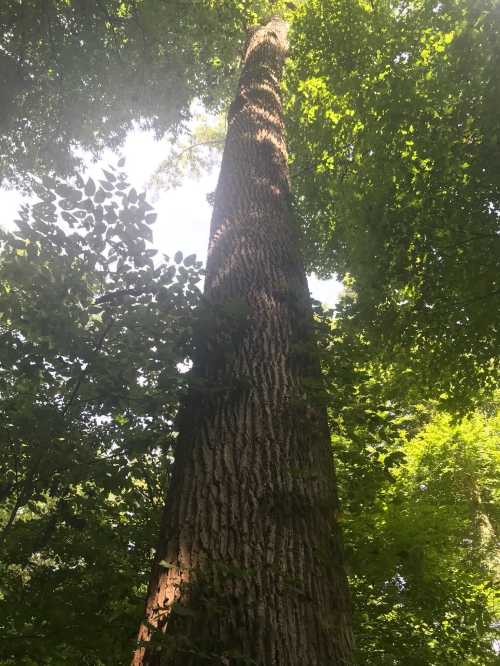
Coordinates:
(84, 371)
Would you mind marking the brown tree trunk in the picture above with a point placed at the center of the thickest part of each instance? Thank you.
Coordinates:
(250, 566)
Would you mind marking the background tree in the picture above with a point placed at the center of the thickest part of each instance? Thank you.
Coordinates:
(393, 131)
(92, 327)
(419, 497)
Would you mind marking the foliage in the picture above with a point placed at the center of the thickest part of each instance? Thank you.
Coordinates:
(393, 130)
(420, 514)
(92, 328)
(195, 154)
(82, 73)
(421, 556)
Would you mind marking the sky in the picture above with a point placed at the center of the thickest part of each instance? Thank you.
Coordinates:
(183, 213)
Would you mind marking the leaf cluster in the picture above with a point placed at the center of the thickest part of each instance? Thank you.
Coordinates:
(393, 131)
(83, 74)
(420, 513)
(93, 328)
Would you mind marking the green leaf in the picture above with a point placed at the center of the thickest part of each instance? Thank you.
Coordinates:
(190, 260)
(100, 196)
(90, 188)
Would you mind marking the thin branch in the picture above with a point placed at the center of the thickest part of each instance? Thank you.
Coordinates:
(22, 497)
(84, 371)
(197, 145)
(112, 295)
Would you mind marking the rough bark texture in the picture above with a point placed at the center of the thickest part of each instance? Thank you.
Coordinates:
(251, 568)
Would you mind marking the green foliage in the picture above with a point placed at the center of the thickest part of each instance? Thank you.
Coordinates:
(193, 155)
(393, 130)
(420, 514)
(82, 73)
(92, 328)
(422, 556)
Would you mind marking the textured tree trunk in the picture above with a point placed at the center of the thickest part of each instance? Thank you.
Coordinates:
(250, 566)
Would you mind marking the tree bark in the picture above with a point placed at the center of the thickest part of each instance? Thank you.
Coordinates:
(249, 568)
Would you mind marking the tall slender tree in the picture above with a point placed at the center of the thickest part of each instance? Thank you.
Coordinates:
(249, 567)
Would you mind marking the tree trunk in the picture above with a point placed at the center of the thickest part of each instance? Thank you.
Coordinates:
(250, 566)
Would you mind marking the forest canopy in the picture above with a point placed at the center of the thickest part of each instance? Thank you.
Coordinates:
(392, 126)
(393, 130)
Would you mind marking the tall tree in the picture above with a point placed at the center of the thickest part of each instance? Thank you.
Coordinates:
(405, 211)
(249, 567)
